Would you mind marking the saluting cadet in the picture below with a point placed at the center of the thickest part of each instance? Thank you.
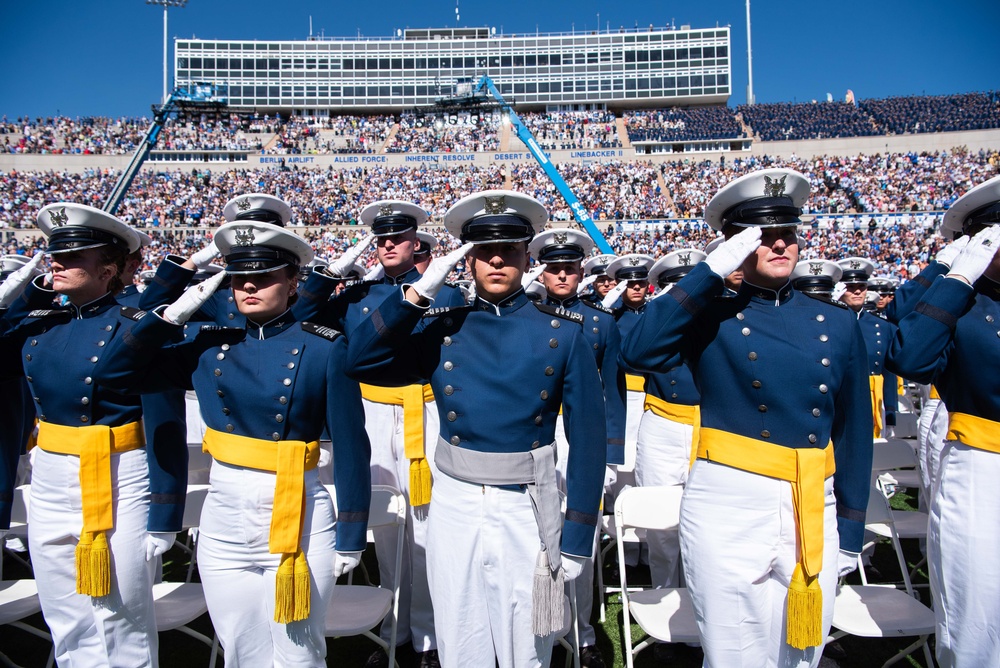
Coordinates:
(501, 367)
(816, 277)
(17, 411)
(784, 451)
(92, 542)
(878, 332)
(950, 339)
(562, 250)
(669, 420)
(267, 552)
(595, 272)
(422, 253)
(401, 422)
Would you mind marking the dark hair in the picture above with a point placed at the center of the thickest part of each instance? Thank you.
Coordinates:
(116, 257)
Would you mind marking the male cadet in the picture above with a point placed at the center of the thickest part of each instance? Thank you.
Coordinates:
(950, 338)
(816, 277)
(595, 270)
(785, 448)
(666, 430)
(501, 367)
(402, 423)
(562, 250)
(885, 288)
(878, 333)
(422, 253)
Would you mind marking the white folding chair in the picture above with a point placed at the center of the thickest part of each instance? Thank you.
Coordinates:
(883, 611)
(665, 615)
(898, 458)
(193, 502)
(357, 609)
(177, 604)
(631, 535)
(18, 526)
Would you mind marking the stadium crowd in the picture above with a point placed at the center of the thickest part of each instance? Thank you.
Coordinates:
(461, 133)
(573, 129)
(665, 125)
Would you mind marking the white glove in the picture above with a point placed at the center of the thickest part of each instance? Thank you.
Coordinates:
(573, 566)
(847, 563)
(731, 253)
(14, 285)
(343, 264)
(345, 562)
(948, 254)
(977, 255)
(377, 272)
(158, 543)
(428, 285)
(530, 276)
(193, 298)
(586, 283)
(616, 292)
(204, 257)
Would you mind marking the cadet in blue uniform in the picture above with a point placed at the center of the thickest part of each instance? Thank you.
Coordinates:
(595, 271)
(401, 421)
(266, 551)
(562, 250)
(816, 277)
(878, 332)
(950, 339)
(784, 452)
(92, 543)
(667, 427)
(500, 367)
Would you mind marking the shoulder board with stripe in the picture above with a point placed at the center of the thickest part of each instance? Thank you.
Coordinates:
(133, 313)
(321, 330)
(828, 300)
(441, 310)
(559, 312)
(596, 306)
(220, 328)
(48, 313)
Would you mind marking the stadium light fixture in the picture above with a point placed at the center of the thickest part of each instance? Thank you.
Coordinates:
(166, 4)
(750, 99)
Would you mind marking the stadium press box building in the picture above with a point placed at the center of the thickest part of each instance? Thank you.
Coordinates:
(612, 69)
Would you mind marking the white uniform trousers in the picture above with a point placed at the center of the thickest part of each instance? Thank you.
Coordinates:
(738, 542)
(481, 551)
(584, 584)
(384, 423)
(962, 543)
(115, 630)
(238, 570)
(663, 458)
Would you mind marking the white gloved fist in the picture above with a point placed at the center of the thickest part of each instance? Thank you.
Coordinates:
(345, 562)
(343, 264)
(158, 543)
(204, 257)
(731, 253)
(616, 292)
(530, 276)
(376, 273)
(193, 298)
(573, 566)
(977, 255)
(15, 284)
(429, 285)
(948, 254)
(847, 563)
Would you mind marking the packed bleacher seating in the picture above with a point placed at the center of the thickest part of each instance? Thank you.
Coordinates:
(566, 130)
(459, 133)
(780, 121)
(935, 113)
(677, 124)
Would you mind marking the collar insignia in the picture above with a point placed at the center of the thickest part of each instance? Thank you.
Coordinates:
(774, 187)
(244, 237)
(58, 217)
(243, 204)
(496, 204)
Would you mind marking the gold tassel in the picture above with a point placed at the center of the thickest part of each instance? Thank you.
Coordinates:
(83, 563)
(805, 611)
(291, 588)
(420, 482)
(100, 566)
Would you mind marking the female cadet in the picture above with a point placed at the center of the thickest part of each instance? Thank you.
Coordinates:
(94, 531)
(266, 551)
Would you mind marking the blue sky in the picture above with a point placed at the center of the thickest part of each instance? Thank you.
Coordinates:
(105, 57)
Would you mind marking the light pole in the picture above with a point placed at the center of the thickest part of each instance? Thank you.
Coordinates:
(166, 4)
(750, 99)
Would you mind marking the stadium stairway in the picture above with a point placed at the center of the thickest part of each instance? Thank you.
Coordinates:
(747, 130)
(663, 189)
(505, 138)
(389, 138)
(623, 134)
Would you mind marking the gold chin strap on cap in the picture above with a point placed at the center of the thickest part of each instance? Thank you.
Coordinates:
(805, 469)
(94, 445)
(412, 398)
(288, 460)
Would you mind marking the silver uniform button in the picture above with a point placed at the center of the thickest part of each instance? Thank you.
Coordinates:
(295, 351)
(452, 416)
(93, 359)
(544, 394)
(740, 316)
(535, 445)
(765, 434)
(673, 396)
(825, 362)
(549, 371)
(815, 412)
(449, 390)
(746, 331)
(34, 342)
(279, 418)
(762, 408)
(756, 384)
(220, 356)
(84, 418)
(229, 427)
(597, 331)
(291, 365)
(553, 343)
(455, 440)
(597, 346)
(555, 324)
(989, 318)
(276, 436)
(446, 340)
(820, 318)
(85, 400)
(282, 400)
(226, 411)
(86, 381)
(365, 310)
(538, 419)
(448, 366)
(824, 389)
(286, 382)
(218, 372)
(824, 338)
(100, 344)
(596, 319)
(225, 346)
(232, 317)
(220, 393)
(28, 357)
(752, 356)
(812, 438)
(107, 328)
